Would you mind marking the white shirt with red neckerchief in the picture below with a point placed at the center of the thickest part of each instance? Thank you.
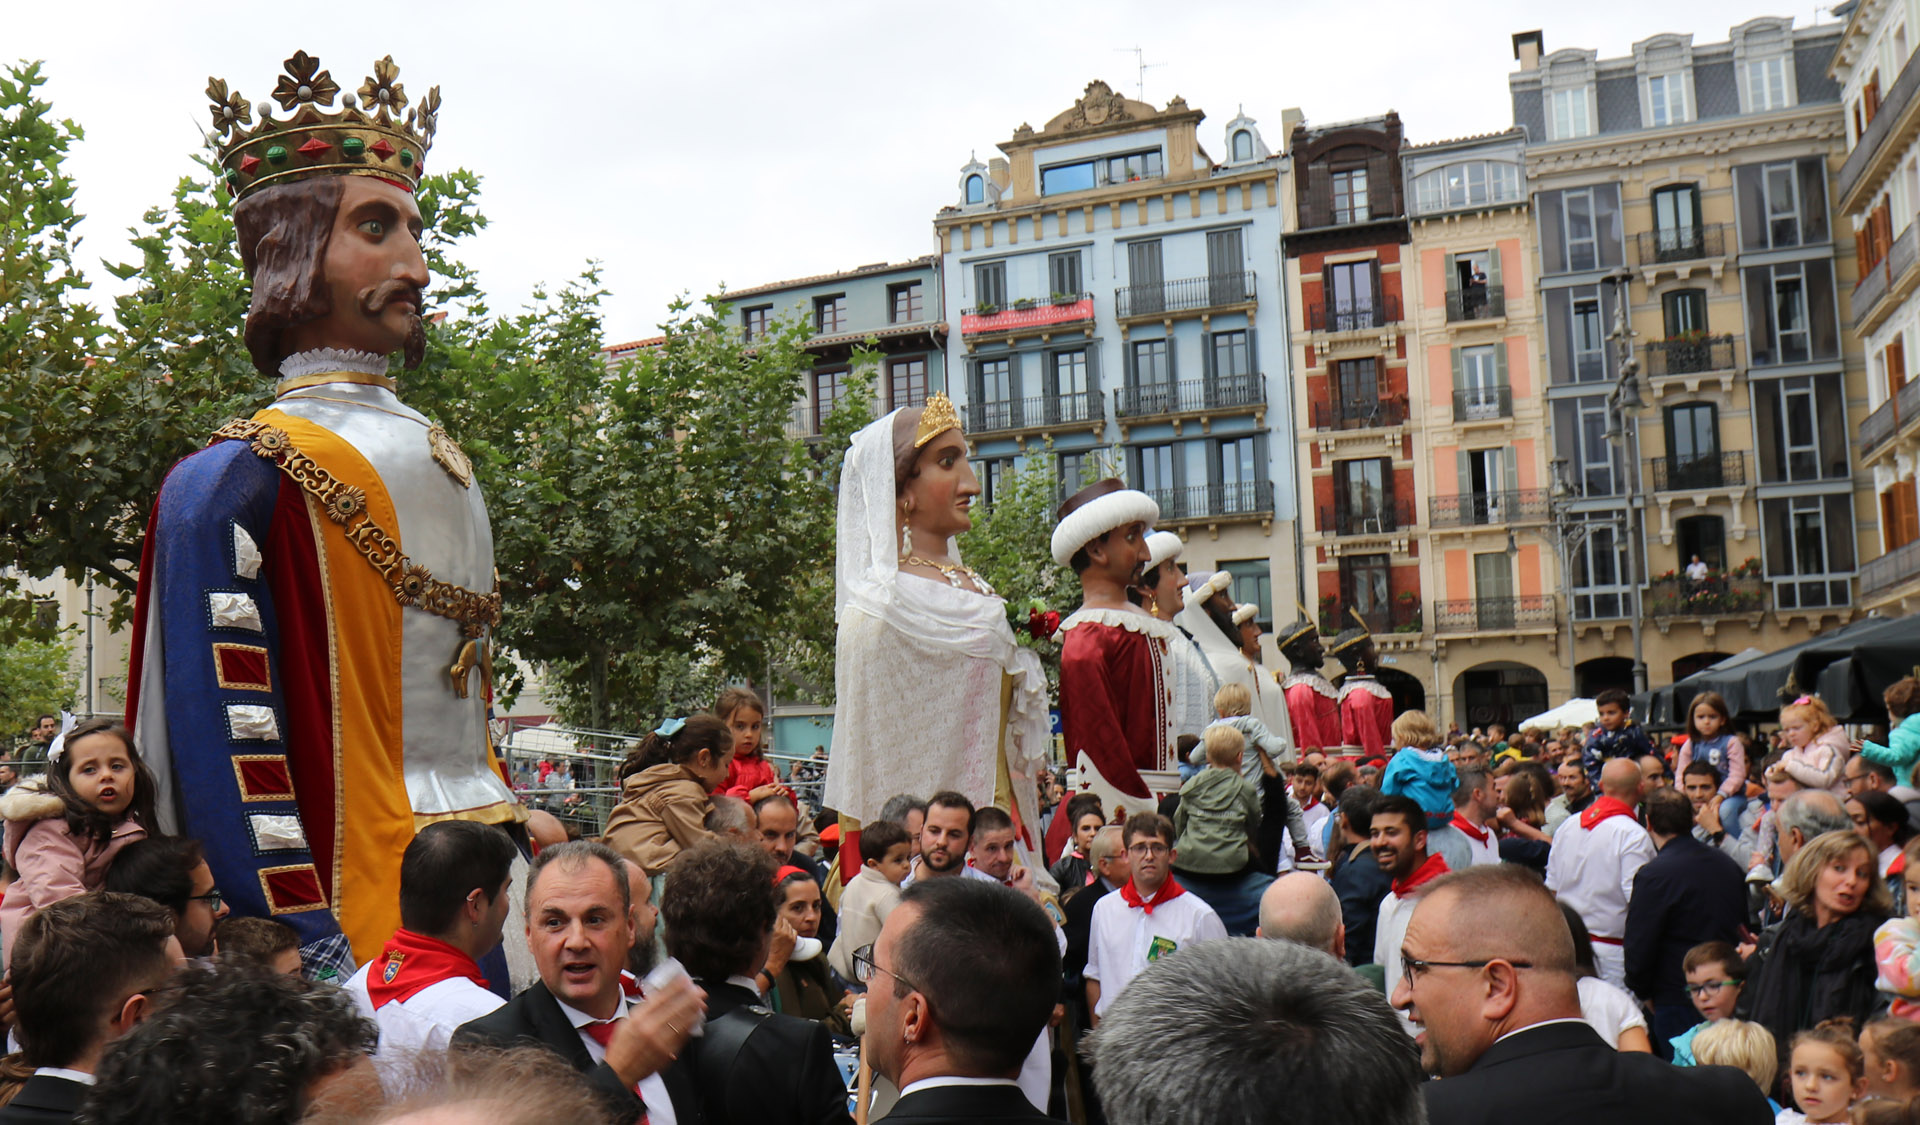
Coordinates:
(1121, 938)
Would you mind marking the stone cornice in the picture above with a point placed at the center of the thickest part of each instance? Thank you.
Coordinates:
(1136, 193)
(1712, 138)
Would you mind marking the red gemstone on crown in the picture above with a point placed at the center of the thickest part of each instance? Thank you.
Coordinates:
(248, 163)
(381, 149)
(313, 147)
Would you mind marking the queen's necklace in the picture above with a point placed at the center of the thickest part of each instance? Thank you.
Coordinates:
(952, 572)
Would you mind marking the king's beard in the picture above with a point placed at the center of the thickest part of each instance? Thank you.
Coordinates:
(374, 301)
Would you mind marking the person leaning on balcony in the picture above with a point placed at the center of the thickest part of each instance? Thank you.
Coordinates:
(1696, 571)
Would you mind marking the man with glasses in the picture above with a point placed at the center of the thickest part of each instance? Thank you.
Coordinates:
(1864, 776)
(83, 971)
(961, 980)
(1489, 981)
(1151, 917)
(1688, 894)
(173, 871)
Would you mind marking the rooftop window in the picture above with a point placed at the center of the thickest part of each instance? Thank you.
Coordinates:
(1084, 175)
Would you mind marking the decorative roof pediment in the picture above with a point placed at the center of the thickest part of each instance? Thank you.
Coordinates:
(1101, 110)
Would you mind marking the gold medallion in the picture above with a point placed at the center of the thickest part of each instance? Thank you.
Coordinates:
(449, 455)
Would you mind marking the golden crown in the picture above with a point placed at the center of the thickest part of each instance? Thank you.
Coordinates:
(367, 137)
(938, 417)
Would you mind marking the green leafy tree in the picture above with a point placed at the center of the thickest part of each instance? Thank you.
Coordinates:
(36, 678)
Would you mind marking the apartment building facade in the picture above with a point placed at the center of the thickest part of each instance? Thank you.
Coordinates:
(1354, 448)
(1116, 303)
(1878, 192)
(1685, 193)
(1489, 561)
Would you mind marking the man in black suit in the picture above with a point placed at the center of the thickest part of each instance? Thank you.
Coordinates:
(1112, 870)
(580, 925)
(959, 985)
(1489, 982)
(82, 971)
(752, 1066)
(1688, 894)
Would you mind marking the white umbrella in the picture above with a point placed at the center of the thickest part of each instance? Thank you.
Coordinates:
(1572, 713)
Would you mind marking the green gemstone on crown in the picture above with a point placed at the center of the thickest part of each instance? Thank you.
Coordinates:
(406, 158)
(277, 154)
(353, 146)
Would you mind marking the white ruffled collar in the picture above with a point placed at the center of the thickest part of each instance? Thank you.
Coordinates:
(1133, 621)
(1313, 680)
(324, 361)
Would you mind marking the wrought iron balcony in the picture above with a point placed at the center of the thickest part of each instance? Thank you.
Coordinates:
(1146, 400)
(803, 421)
(1186, 295)
(1879, 426)
(1890, 569)
(1353, 316)
(1874, 138)
(1716, 595)
(1028, 314)
(1355, 519)
(1688, 355)
(1682, 244)
(1482, 404)
(1358, 415)
(1682, 474)
(1487, 509)
(1484, 615)
(1076, 408)
(1401, 615)
(1210, 501)
(1476, 303)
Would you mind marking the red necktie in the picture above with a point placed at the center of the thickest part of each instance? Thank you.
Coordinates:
(602, 1033)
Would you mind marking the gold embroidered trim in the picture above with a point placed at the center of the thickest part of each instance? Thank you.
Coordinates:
(411, 583)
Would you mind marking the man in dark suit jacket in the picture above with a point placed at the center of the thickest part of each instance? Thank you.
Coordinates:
(81, 971)
(580, 927)
(1686, 895)
(1490, 981)
(959, 946)
(752, 1066)
(1109, 857)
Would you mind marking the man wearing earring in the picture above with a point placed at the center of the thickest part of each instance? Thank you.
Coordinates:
(427, 981)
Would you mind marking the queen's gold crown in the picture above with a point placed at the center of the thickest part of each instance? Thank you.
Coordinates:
(938, 417)
(367, 137)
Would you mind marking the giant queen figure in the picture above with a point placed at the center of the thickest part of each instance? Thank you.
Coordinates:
(932, 692)
(311, 670)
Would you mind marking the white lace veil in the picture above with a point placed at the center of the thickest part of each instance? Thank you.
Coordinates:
(867, 535)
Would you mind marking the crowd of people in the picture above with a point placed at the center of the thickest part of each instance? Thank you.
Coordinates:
(1704, 929)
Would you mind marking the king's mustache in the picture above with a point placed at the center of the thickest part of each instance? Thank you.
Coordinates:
(377, 298)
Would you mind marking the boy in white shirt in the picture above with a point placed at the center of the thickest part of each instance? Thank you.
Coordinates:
(872, 894)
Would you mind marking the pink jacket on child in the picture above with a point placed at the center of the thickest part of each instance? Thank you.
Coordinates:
(52, 862)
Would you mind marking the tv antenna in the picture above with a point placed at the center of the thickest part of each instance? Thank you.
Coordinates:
(1141, 66)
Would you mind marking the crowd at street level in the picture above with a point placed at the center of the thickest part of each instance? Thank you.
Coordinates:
(1630, 946)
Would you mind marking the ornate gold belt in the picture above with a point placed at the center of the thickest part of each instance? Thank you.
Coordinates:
(346, 505)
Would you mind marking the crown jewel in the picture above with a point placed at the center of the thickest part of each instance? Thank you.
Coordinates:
(936, 419)
(367, 136)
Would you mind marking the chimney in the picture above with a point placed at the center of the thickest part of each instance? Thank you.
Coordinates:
(1291, 118)
(1527, 47)
(998, 172)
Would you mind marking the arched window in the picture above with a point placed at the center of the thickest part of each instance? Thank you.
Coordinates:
(1242, 145)
(976, 189)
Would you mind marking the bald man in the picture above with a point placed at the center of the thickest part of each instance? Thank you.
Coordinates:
(1594, 859)
(1490, 985)
(1304, 908)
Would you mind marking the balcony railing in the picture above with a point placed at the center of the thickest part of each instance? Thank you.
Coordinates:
(803, 421)
(1892, 105)
(1353, 316)
(1388, 517)
(1484, 509)
(1066, 308)
(1206, 501)
(1682, 244)
(1481, 404)
(1186, 295)
(1891, 569)
(1142, 400)
(1075, 408)
(1475, 303)
(1684, 356)
(1397, 616)
(1879, 426)
(1358, 415)
(1681, 474)
(1716, 595)
(1907, 402)
(1482, 615)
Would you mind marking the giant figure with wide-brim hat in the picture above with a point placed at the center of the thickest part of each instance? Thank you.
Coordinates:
(1116, 692)
(1366, 706)
(311, 672)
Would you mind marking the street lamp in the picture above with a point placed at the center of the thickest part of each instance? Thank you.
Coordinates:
(1623, 430)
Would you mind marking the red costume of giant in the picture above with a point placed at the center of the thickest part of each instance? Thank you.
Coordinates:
(1366, 715)
(1314, 706)
(1115, 696)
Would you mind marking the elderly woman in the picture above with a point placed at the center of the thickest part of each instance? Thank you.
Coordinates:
(1818, 963)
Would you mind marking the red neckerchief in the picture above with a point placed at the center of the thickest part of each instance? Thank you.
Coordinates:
(1478, 833)
(410, 962)
(1602, 808)
(1427, 872)
(1169, 890)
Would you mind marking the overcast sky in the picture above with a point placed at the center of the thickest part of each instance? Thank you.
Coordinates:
(686, 145)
